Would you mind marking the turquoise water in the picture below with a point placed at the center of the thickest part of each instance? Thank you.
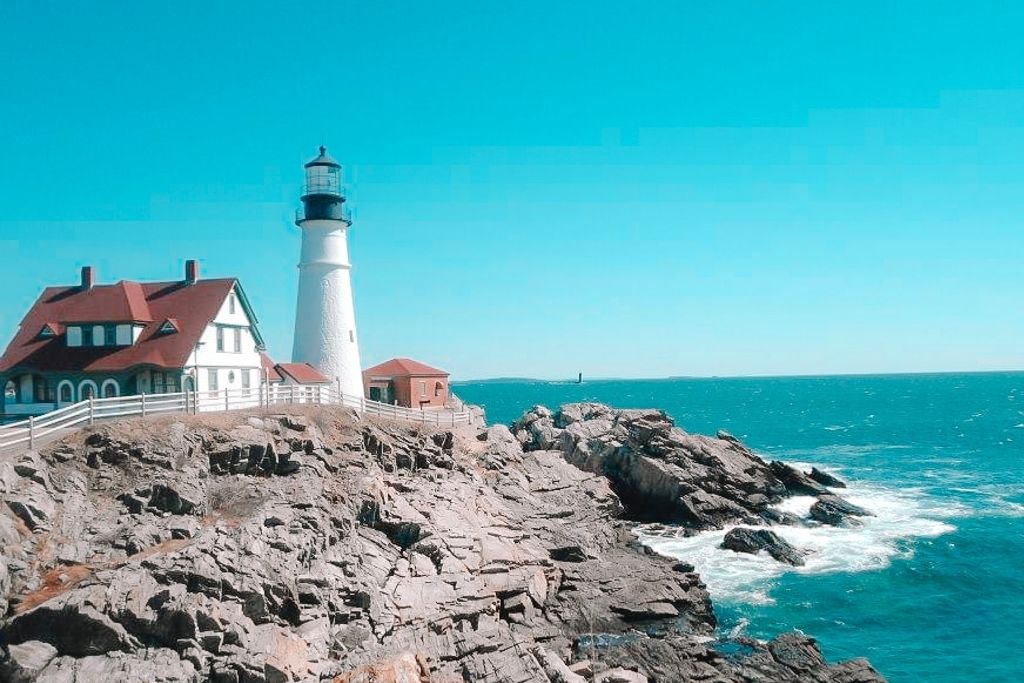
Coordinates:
(932, 589)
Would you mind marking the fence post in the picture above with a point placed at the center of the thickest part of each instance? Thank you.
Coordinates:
(143, 397)
(31, 433)
(92, 412)
(291, 395)
(227, 403)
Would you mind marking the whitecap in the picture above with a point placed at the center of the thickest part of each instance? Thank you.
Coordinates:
(738, 577)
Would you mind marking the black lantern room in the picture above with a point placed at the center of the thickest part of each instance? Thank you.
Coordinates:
(322, 197)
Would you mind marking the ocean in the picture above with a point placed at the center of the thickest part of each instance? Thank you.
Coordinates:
(931, 589)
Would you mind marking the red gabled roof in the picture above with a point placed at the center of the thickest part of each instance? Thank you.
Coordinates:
(303, 373)
(192, 306)
(404, 367)
(269, 371)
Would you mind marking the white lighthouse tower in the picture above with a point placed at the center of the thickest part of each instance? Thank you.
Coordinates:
(325, 318)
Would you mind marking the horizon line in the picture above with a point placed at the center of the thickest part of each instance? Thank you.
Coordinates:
(571, 380)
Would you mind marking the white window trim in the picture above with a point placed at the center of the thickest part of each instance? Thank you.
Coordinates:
(89, 382)
(61, 385)
(106, 383)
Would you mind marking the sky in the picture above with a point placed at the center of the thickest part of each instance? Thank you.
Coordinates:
(540, 189)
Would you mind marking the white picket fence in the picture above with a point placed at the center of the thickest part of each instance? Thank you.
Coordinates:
(31, 432)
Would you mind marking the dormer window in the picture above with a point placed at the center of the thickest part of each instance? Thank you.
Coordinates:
(169, 326)
(48, 331)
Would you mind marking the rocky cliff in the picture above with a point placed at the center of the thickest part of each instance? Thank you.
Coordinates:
(315, 546)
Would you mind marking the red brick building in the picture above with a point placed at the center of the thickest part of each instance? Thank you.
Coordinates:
(406, 382)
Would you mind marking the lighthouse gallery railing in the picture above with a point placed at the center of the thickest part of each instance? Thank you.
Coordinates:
(34, 431)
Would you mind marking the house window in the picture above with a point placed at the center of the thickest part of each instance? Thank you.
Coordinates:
(42, 390)
(231, 303)
(123, 335)
(352, 335)
(110, 334)
(46, 332)
(212, 379)
(65, 393)
(74, 336)
(238, 339)
(246, 381)
(165, 382)
(220, 338)
(438, 389)
(87, 336)
(423, 388)
(98, 335)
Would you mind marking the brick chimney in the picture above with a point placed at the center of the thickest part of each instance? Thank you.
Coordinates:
(88, 277)
(191, 271)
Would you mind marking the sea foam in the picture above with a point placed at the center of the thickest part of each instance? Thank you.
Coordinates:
(739, 577)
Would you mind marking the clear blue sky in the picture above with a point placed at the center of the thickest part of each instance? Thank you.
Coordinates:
(626, 189)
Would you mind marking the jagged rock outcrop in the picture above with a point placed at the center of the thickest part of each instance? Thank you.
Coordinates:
(826, 479)
(746, 540)
(662, 473)
(314, 546)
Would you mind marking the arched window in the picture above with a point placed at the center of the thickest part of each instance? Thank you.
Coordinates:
(66, 392)
(87, 389)
(111, 389)
(11, 392)
(438, 389)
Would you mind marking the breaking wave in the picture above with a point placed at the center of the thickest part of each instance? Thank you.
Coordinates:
(900, 516)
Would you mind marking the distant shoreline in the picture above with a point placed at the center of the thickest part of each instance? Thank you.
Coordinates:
(572, 380)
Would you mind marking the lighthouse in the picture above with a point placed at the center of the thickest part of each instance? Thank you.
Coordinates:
(325, 318)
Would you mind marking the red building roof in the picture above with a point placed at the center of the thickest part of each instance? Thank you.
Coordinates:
(269, 370)
(404, 367)
(303, 373)
(191, 306)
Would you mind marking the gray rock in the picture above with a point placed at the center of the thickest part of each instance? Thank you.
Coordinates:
(796, 482)
(394, 550)
(745, 540)
(25, 661)
(831, 509)
(826, 479)
(32, 504)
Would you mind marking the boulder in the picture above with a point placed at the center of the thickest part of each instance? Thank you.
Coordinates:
(746, 540)
(826, 479)
(831, 509)
(179, 498)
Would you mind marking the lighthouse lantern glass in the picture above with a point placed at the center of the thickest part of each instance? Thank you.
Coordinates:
(323, 180)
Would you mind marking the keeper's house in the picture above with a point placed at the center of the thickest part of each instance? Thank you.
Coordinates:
(91, 340)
